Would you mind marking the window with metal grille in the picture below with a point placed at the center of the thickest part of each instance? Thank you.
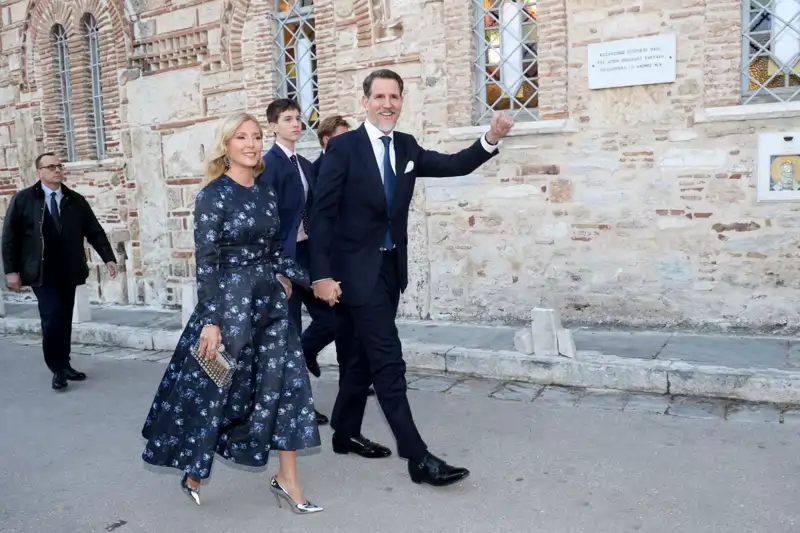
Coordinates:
(96, 127)
(770, 51)
(296, 60)
(506, 64)
(64, 93)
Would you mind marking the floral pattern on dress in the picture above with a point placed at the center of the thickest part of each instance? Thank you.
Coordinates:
(268, 405)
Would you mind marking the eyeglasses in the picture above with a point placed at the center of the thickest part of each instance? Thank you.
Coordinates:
(53, 168)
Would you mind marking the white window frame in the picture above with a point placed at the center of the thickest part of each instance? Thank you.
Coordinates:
(61, 65)
(516, 62)
(96, 110)
(769, 36)
(297, 79)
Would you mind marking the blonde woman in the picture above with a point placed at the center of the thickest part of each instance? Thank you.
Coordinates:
(243, 283)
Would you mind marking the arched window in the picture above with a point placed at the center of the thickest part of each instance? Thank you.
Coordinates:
(62, 83)
(295, 40)
(770, 46)
(96, 129)
(507, 59)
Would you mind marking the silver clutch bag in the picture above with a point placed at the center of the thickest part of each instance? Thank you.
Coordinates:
(219, 369)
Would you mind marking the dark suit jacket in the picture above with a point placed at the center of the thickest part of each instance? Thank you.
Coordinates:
(282, 175)
(350, 215)
(23, 242)
(317, 164)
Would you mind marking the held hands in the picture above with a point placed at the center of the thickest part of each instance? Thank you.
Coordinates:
(112, 269)
(14, 282)
(327, 290)
(500, 127)
(287, 285)
(210, 341)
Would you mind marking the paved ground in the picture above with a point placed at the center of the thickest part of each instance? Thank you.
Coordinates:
(725, 350)
(543, 460)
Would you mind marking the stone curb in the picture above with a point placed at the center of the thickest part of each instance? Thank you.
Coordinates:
(587, 369)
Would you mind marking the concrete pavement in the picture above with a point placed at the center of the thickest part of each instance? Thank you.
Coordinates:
(764, 369)
(543, 459)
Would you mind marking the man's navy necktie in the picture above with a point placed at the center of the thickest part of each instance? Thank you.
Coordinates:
(54, 211)
(304, 214)
(388, 185)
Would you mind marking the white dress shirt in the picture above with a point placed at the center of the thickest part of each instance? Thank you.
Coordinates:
(377, 146)
(301, 233)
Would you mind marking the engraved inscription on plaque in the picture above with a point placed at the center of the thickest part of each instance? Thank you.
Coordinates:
(629, 62)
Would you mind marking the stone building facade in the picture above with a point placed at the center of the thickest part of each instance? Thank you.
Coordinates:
(630, 205)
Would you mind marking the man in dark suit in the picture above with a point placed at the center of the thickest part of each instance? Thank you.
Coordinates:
(43, 248)
(322, 330)
(359, 264)
(293, 178)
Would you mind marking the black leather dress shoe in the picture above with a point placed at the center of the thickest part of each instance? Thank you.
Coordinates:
(436, 472)
(313, 367)
(360, 446)
(321, 419)
(60, 380)
(72, 374)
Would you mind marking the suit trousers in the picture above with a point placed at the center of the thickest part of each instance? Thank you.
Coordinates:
(322, 330)
(56, 301)
(374, 355)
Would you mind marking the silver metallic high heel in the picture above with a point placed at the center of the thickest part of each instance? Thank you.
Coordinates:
(297, 508)
(193, 494)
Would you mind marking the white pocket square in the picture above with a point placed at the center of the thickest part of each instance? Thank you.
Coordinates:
(409, 167)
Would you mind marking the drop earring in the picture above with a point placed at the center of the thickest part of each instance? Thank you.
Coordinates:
(227, 162)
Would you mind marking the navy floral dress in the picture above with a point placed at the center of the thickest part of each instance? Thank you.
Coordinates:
(268, 405)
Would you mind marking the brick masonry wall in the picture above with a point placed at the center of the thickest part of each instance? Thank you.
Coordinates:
(639, 216)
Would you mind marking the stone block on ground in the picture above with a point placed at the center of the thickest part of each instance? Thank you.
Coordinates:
(188, 302)
(566, 344)
(544, 327)
(523, 341)
(82, 311)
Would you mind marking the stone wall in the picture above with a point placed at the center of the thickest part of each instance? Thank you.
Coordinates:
(631, 206)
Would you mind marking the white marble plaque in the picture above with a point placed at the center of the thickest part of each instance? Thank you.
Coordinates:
(629, 62)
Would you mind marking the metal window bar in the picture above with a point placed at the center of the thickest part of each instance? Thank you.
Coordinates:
(98, 130)
(294, 21)
(61, 57)
(765, 78)
(490, 93)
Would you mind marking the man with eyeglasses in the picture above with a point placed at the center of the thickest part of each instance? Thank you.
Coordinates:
(43, 248)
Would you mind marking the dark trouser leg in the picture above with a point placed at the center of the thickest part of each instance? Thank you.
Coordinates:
(377, 356)
(322, 330)
(354, 378)
(295, 307)
(56, 303)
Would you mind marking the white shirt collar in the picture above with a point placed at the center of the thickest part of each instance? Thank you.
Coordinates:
(48, 191)
(286, 151)
(374, 133)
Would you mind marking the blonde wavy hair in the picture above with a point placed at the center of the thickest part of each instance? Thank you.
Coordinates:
(215, 158)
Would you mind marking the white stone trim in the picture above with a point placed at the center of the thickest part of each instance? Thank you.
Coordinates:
(539, 127)
(738, 113)
(93, 163)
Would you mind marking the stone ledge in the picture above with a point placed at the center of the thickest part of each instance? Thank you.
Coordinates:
(101, 334)
(538, 127)
(738, 113)
(588, 369)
